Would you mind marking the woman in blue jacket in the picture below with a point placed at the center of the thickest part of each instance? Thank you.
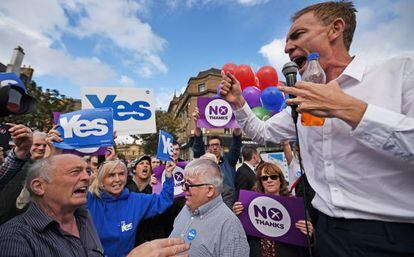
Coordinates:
(116, 212)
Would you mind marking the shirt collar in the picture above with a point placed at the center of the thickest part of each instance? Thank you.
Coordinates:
(354, 70)
(207, 207)
(39, 220)
(250, 166)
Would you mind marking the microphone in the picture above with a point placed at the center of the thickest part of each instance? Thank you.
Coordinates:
(290, 70)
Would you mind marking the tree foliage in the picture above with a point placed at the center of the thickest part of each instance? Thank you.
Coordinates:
(165, 121)
(48, 101)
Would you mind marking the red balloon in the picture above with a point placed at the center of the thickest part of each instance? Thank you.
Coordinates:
(245, 75)
(267, 77)
(229, 68)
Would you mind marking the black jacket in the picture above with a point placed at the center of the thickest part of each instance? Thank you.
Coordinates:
(245, 178)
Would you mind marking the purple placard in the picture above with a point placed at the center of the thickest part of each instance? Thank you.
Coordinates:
(178, 175)
(86, 151)
(215, 113)
(272, 217)
(82, 152)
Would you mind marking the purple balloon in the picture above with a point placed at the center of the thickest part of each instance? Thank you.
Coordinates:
(218, 91)
(252, 96)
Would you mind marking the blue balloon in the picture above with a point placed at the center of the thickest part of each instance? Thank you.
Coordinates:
(284, 102)
(272, 98)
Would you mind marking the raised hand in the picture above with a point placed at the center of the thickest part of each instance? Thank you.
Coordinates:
(196, 116)
(154, 179)
(169, 167)
(53, 136)
(231, 90)
(23, 139)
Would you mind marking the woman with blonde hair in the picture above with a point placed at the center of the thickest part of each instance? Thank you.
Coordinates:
(270, 180)
(117, 212)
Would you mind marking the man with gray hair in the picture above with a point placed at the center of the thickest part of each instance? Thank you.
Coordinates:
(206, 222)
(56, 222)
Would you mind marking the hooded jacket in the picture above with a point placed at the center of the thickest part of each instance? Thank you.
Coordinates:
(116, 218)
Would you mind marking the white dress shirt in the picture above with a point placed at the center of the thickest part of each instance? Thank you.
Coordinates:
(366, 173)
(253, 168)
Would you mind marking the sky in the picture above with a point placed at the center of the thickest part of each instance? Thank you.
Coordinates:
(161, 44)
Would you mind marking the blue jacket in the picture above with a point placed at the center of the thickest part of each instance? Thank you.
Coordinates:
(117, 219)
(227, 162)
(227, 166)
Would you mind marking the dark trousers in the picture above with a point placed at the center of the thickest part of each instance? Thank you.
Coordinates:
(336, 237)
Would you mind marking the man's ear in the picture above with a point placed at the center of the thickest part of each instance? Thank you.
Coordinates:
(211, 191)
(38, 186)
(336, 30)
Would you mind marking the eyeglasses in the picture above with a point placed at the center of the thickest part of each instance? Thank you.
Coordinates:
(188, 186)
(214, 144)
(272, 177)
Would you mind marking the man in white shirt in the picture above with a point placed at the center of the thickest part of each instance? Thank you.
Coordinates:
(361, 161)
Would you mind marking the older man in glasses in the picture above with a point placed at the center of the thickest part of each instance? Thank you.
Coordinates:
(206, 222)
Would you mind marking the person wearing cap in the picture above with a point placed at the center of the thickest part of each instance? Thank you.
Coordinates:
(142, 171)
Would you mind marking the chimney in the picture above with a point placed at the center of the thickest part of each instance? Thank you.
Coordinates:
(16, 61)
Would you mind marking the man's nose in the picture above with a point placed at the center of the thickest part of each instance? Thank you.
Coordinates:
(289, 47)
(85, 175)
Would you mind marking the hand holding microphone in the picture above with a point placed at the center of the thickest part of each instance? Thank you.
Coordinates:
(322, 100)
(290, 70)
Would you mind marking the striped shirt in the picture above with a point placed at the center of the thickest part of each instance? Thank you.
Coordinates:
(10, 167)
(36, 234)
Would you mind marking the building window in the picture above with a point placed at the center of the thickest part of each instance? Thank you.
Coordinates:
(201, 87)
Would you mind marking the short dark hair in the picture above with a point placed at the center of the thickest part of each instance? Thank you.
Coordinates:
(215, 137)
(175, 143)
(327, 12)
(248, 151)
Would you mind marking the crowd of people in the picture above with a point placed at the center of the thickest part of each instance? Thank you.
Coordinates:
(358, 169)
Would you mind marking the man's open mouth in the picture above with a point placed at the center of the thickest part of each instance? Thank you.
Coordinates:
(81, 190)
(300, 61)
